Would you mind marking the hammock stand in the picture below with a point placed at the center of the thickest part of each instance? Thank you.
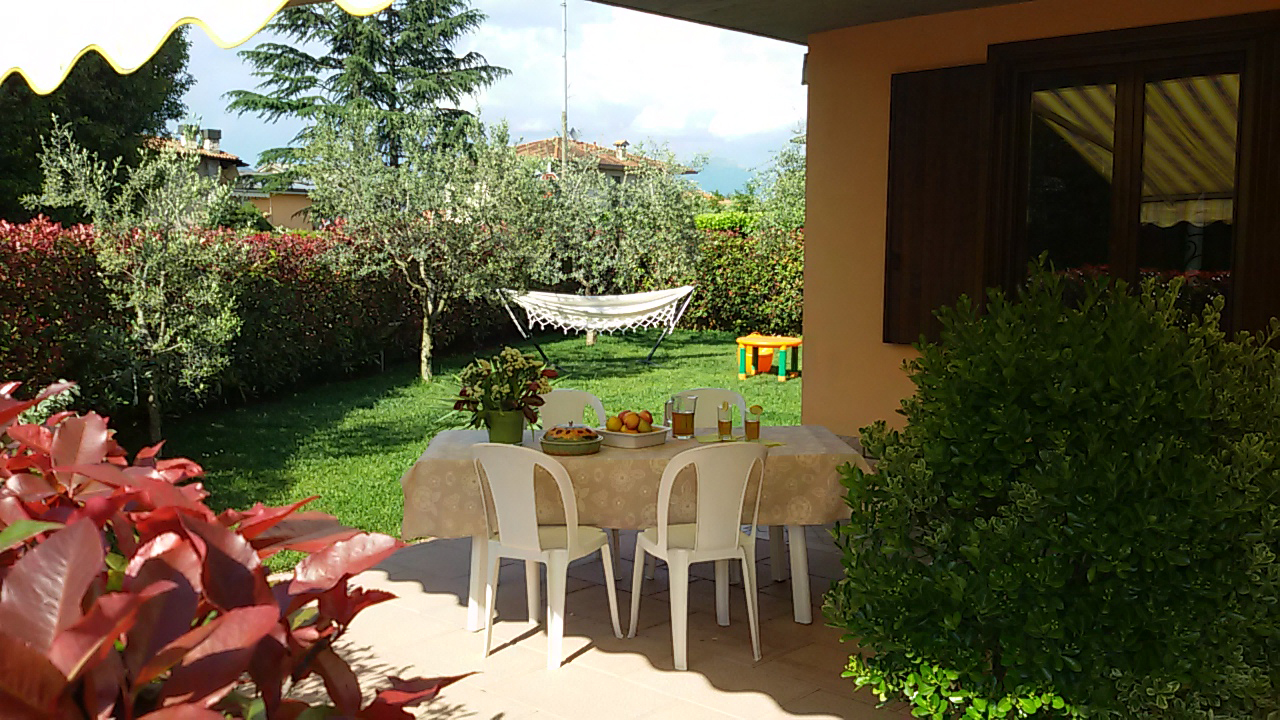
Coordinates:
(602, 313)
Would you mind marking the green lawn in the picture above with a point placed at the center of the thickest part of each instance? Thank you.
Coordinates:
(350, 442)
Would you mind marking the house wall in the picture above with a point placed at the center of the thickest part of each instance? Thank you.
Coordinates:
(282, 210)
(851, 377)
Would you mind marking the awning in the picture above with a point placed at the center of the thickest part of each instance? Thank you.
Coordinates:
(45, 38)
(1189, 142)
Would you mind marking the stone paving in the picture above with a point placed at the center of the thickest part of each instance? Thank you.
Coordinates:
(423, 632)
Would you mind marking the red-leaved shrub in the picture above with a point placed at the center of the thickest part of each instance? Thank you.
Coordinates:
(122, 595)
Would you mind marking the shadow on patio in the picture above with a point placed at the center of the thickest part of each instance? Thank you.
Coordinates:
(422, 632)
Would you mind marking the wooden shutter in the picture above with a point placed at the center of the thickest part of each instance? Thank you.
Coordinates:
(939, 153)
(1255, 295)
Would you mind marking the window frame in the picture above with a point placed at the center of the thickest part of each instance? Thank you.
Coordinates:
(1130, 58)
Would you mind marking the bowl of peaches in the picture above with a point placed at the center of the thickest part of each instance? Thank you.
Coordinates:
(632, 430)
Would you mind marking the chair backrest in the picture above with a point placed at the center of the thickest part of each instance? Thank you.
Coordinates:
(508, 472)
(560, 407)
(724, 474)
(704, 416)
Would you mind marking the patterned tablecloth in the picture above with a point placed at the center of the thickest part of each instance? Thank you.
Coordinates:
(618, 488)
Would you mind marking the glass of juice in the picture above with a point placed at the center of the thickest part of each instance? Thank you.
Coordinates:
(682, 407)
(724, 421)
(751, 423)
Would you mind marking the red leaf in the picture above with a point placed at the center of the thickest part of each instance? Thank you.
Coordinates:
(146, 457)
(80, 441)
(183, 712)
(176, 470)
(29, 487)
(36, 437)
(164, 619)
(342, 605)
(267, 669)
(103, 682)
(102, 509)
(380, 710)
(324, 569)
(91, 638)
(339, 680)
(306, 532)
(41, 595)
(213, 665)
(260, 518)
(232, 575)
(29, 684)
(407, 693)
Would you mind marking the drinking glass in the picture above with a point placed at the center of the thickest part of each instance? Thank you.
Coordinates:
(682, 408)
(724, 421)
(751, 424)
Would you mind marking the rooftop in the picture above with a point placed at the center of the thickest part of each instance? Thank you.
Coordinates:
(795, 20)
(616, 158)
(177, 144)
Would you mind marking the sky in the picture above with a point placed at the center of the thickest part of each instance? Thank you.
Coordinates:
(732, 97)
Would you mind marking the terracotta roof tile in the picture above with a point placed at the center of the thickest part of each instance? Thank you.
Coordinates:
(606, 158)
(176, 144)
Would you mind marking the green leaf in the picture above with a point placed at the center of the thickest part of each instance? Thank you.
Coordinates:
(22, 531)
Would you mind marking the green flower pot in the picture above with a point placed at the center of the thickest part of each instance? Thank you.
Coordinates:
(506, 426)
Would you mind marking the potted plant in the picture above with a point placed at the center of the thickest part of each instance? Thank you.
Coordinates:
(503, 392)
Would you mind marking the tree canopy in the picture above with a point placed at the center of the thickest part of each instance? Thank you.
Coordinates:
(399, 61)
(108, 113)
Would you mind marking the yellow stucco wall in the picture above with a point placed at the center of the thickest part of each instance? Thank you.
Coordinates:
(850, 376)
(282, 210)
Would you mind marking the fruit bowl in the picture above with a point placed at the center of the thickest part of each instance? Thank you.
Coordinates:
(632, 441)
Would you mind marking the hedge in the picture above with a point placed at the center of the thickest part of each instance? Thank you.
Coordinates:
(307, 315)
(733, 220)
(749, 284)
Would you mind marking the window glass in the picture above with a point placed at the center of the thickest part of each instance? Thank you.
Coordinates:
(1190, 128)
(1069, 195)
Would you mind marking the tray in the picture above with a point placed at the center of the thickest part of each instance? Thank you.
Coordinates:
(568, 449)
(633, 441)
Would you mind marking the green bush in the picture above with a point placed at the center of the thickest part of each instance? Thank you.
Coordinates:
(748, 284)
(732, 221)
(1079, 519)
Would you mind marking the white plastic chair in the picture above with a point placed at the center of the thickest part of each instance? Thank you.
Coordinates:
(508, 472)
(723, 476)
(560, 407)
(709, 399)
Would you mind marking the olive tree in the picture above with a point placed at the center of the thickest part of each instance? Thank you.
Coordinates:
(456, 218)
(176, 310)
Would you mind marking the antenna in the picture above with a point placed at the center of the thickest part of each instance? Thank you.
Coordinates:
(564, 114)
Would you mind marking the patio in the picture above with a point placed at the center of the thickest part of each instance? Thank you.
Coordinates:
(422, 632)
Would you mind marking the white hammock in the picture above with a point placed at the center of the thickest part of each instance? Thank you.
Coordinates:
(601, 313)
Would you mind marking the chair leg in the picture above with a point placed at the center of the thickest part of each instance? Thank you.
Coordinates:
(678, 569)
(637, 585)
(651, 568)
(557, 576)
(777, 553)
(532, 591)
(490, 599)
(476, 584)
(606, 558)
(800, 597)
(722, 593)
(753, 599)
(615, 542)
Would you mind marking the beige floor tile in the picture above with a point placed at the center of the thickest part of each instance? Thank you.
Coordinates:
(682, 710)
(826, 704)
(458, 703)
(593, 603)
(821, 662)
(576, 691)
(728, 687)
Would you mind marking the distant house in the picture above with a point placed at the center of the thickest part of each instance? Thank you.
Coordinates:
(206, 143)
(615, 163)
(284, 205)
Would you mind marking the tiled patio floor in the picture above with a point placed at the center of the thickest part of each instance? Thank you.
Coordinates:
(423, 632)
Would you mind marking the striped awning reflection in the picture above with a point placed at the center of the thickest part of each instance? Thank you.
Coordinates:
(1189, 142)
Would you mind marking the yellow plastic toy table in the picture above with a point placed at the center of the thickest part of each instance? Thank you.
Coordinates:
(778, 345)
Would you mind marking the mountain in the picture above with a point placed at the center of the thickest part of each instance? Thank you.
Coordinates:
(722, 176)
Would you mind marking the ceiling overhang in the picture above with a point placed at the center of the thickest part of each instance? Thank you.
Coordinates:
(795, 20)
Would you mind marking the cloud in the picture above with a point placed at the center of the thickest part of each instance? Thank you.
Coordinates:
(632, 76)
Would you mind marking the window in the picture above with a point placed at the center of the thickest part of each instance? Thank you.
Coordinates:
(1146, 153)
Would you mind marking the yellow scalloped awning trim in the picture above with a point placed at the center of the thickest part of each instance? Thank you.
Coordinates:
(45, 39)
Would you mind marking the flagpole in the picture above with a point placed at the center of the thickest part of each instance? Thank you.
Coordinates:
(564, 114)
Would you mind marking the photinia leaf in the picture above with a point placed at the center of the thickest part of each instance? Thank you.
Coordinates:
(324, 569)
(260, 518)
(306, 532)
(183, 712)
(407, 693)
(42, 593)
(80, 441)
(29, 684)
(89, 639)
(339, 680)
(213, 665)
(232, 574)
(22, 531)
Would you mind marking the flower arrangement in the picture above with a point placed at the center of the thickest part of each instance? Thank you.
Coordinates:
(510, 381)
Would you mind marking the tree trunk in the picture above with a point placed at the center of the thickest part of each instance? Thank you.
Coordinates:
(153, 416)
(424, 353)
(591, 337)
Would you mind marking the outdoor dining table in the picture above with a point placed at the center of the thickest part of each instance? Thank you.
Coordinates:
(618, 488)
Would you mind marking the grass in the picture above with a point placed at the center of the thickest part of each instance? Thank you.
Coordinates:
(349, 442)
